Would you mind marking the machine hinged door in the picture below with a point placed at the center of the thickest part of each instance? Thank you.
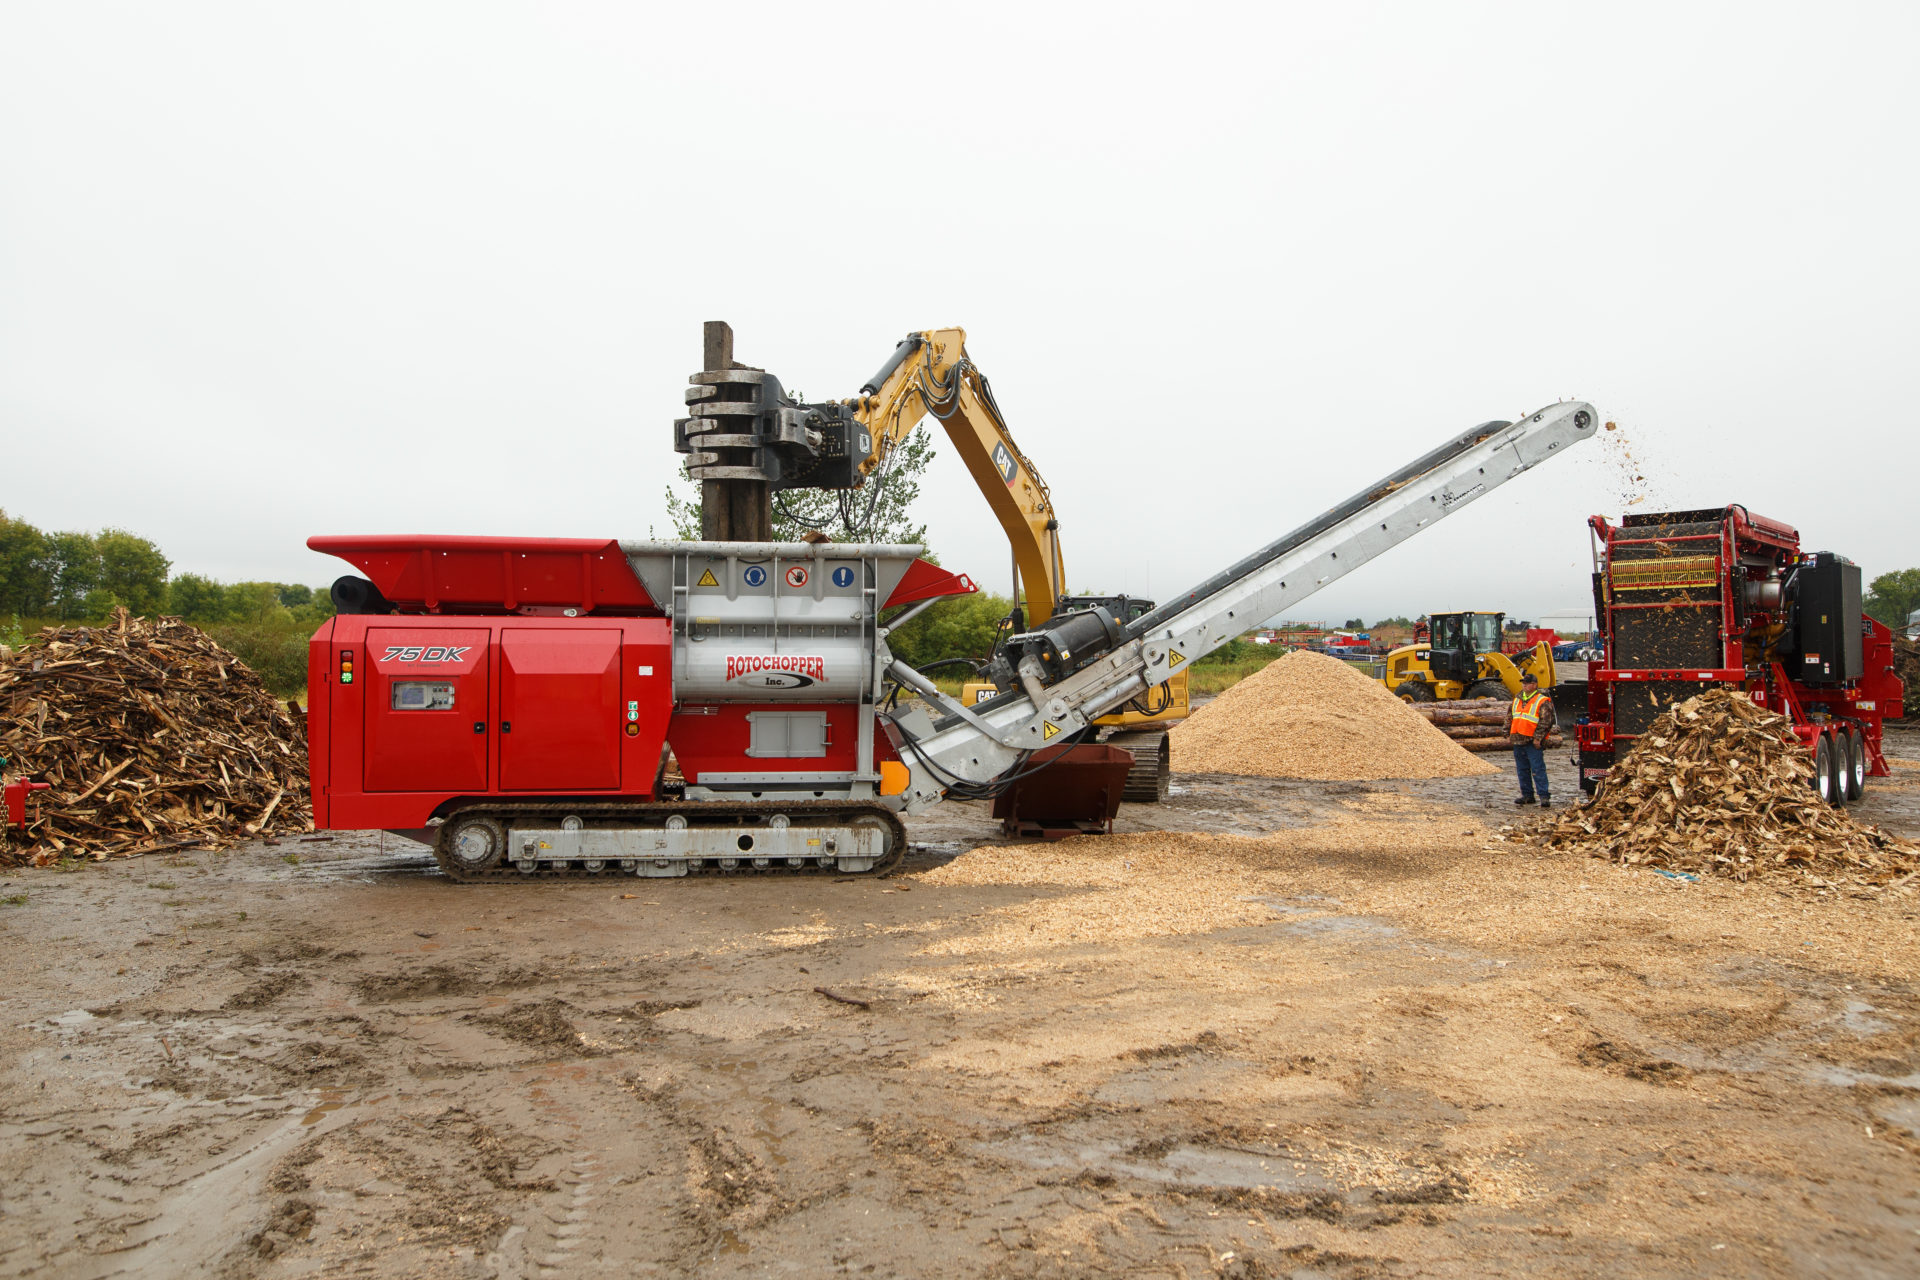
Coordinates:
(561, 718)
(426, 709)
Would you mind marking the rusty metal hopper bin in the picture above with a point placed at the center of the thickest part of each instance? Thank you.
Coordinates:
(1076, 793)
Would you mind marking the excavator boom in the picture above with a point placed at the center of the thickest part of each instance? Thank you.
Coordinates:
(930, 373)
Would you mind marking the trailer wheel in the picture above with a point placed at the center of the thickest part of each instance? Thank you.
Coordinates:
(1824, 773)
(1856, 762)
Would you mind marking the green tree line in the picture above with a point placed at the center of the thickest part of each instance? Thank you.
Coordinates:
(75, 577)
(1892, 596)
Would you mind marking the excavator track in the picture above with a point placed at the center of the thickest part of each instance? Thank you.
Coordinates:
(488, 841)
(1151, 776)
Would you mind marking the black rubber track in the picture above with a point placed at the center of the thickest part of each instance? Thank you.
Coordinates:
(653, 815)
(1148, 781)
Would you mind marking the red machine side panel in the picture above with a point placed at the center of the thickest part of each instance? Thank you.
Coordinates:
(320, 717)
(425, 693)
(716, 738)
(607, 698)
(646, 681)
(560, 711)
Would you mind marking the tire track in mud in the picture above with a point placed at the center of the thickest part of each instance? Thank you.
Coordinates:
(208, 1204)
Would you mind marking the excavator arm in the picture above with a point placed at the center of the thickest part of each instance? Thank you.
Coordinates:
(930, 373)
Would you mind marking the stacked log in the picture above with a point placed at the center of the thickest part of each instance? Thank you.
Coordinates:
(152, 737)
(1476, 724)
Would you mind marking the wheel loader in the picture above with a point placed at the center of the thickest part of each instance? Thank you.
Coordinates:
(1461, 658)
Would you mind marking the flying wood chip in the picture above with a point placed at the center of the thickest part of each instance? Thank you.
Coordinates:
(152, 736)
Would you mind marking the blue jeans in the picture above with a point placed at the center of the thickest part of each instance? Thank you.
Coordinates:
(1531, 764)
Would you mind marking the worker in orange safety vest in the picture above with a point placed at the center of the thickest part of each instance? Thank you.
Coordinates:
(1528, 725)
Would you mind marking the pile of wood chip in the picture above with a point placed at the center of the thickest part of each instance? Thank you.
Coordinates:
(1718, 786)
(1310, 716)
(152, 736)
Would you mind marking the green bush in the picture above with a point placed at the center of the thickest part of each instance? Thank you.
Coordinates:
(278, 655)
(958, 627)
(1228, 665)
(1240, 650)
(197, 599)
(1892, 596)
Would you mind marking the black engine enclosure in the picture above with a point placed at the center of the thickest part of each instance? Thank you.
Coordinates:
(1826, 620)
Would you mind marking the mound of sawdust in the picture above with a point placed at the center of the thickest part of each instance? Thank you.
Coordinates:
(1310, 716)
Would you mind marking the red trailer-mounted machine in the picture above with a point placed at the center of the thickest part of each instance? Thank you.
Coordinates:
(1722, 598)
(511, 702)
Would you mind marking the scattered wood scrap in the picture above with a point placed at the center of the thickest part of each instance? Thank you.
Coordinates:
(1718, 786)
(840, 999)
(152, 736)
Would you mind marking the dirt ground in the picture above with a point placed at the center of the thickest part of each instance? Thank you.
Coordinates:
(1272, 1029)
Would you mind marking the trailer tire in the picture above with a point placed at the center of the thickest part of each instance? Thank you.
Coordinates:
(1825, 775)
(1856, 777)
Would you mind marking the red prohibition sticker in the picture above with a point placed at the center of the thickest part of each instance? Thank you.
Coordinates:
(797, 576)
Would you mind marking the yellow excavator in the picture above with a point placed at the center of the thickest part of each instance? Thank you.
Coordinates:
(930, 373)
(1461, 658)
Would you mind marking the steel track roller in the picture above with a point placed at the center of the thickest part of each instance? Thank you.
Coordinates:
(487, 841)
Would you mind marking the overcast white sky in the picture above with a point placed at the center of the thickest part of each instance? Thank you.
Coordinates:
(275, 270)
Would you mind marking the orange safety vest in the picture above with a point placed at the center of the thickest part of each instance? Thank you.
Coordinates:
(1526, 715)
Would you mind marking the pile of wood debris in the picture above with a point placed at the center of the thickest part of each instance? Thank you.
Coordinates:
(152, 736)
(1718, 786)
(1906, 665)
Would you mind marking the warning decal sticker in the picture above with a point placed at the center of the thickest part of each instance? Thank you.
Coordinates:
(797, 576)
(707, 580)
(1175, 658)
(1048, 729)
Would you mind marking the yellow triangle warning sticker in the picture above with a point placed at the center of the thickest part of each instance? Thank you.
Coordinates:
(1048, 729)
(707, 580)
(1175, 658)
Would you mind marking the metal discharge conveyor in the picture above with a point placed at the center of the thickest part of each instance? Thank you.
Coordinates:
(974, 746)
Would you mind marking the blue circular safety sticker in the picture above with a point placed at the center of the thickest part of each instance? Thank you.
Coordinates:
(843, 576)
(755, 576)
